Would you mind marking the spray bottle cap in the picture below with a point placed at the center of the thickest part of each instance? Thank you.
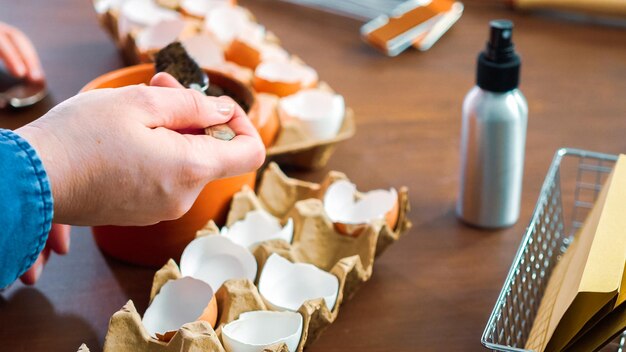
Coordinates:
(499, 65)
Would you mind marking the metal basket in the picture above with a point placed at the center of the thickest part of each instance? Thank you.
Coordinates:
(571, 186)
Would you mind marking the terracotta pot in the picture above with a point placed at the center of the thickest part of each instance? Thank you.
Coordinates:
(154, 245)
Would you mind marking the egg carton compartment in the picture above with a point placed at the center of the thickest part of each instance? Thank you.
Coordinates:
(289, 141)
(318, 245)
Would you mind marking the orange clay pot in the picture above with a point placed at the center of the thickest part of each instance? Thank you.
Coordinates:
(154, 245)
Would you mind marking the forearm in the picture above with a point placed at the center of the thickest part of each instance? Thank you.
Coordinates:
(26, 206)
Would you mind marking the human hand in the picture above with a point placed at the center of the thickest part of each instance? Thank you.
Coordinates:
(113, 156)
(19, 55)
(58, 242)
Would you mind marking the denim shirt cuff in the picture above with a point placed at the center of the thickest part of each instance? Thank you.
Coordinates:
(37, 196)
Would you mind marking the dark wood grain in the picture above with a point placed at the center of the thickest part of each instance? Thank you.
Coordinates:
(432, 291)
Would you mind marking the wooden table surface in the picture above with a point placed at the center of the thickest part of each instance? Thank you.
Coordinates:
(434, 289)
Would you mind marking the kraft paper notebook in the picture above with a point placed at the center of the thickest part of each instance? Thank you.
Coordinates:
(583, 305)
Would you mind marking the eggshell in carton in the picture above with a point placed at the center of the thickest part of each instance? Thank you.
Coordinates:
(205, 50)
(258, 226)
(236, 296)
(144, 43)
(264, 116)
(215, 259)
(137, 14)
(317, 317)
(151, 39)
(228, 22)
(319, 112)
(286, 286)
(349, 271)
(200, 8)
(126, 333)
(257, 330)
(178, 302)
(351, 210)
(279, 183)
(300, 200)
(170, 272)
(283, 78)
(250, 53)
(243, 74)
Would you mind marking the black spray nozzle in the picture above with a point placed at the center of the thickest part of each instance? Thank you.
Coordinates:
(499, 65)
(500, 46)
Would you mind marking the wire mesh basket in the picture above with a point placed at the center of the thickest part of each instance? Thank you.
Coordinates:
(568, 193)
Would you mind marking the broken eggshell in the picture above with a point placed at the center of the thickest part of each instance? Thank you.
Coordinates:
(351, 212)
(227, 22)
(136, 14)
(205, 50)
(215, 259)
(321, 112)
(250, 53)
(201, 8)
(256, 227)
(102, 6)
(264, 117)
(179, 302)
(283, 78)
(286, 285)
(159, 35)
(255, 331)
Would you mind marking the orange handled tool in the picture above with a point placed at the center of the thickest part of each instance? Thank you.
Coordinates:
(605, 7)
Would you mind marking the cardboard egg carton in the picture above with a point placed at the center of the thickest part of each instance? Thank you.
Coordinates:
(292, 145)
(315, 241)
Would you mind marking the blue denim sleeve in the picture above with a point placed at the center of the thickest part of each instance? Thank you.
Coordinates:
(25, 206)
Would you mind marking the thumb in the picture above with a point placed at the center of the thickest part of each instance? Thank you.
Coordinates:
(177, 109)
(164, 79)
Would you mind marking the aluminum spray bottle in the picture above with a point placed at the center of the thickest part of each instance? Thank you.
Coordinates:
(493, 136)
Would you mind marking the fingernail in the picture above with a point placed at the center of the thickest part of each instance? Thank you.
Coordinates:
(36, 75)
(224, 107)
(20, 71)
(38, 271)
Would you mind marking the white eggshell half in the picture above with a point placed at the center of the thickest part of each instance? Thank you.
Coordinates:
(204, 50)
(267, 51)
(102, 6)
(257, 330)
(227, 22)
(159, 35)
(341, 205)
(201, 8)
(320, 111)
(287, 72)
(256, 227)
(177, 303)
(286, 285)
(215, 259)
(135, 14)
(273, 52)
